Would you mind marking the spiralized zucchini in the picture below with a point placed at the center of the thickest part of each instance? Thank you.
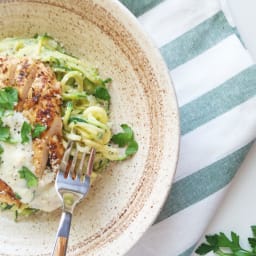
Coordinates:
(85, 97)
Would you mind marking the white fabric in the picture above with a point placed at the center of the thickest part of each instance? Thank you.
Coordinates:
(164, 23)
(226, 59)
(173, 18)
(180, 231)
(204, 140)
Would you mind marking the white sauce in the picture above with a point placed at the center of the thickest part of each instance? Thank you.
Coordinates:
(14, 157)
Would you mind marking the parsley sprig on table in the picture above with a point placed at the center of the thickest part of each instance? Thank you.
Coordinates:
(221, 245)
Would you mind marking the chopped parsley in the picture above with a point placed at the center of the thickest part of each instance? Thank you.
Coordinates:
(126, 138)
(8, 98)
(5, 206)
(1, 149)
(102, 93)
(123, 138)
(31, 179)
(17, 196)
(132, 148)
(38, 130)
(1, 152)
(5, 134)
(25, 132)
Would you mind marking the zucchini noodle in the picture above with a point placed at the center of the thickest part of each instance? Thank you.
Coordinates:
(85, 108)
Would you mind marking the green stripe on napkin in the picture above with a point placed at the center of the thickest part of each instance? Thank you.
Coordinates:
(140, 6)
(188, 252)
(196, 41)
(218, 101)
(202, 184)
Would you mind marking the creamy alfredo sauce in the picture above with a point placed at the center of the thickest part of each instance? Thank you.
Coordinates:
(17, 155)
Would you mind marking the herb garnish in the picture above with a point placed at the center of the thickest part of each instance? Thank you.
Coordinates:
(8, 98)
(5, 134)
(30, 178)
(17, 196)
(126, 138)
(38, 130)
(25, 132)
(1, 149)
(221, 245)
(102, 93)
(1, 152)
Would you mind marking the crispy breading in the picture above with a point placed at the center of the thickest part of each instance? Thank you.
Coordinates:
(40, 102)
(7, 195)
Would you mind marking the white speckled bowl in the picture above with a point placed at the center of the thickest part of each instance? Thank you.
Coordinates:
(125, 200)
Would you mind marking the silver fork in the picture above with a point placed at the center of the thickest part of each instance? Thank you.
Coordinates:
(71, 189)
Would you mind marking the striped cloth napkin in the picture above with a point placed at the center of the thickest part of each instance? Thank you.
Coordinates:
(215, 80)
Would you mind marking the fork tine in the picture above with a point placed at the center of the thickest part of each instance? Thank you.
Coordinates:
(73, 164)
(80, 168)
(65, 159)
(90, 162)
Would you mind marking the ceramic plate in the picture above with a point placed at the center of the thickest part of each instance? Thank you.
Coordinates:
(126, 199)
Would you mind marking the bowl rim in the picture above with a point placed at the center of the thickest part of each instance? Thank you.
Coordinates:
(133, 20)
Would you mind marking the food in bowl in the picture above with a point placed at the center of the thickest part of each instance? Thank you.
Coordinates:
(48, 97)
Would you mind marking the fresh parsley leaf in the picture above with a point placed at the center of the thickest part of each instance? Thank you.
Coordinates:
(132, 148)
(1, 152)
(25, 132)
(128, 130)
(1, 149)
(253, 228)
(17, 196)
(38, 130)
(106, 81)
(8, 98)
(35, 36)
(5, 206)
(126, 138)
(204, 249)
(221, 245)
(123, 138)
(252, 242)
(102, 93)
(5, 134)
(1, 114)
(30, 178)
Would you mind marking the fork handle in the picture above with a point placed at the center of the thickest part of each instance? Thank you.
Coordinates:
(61, 242)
